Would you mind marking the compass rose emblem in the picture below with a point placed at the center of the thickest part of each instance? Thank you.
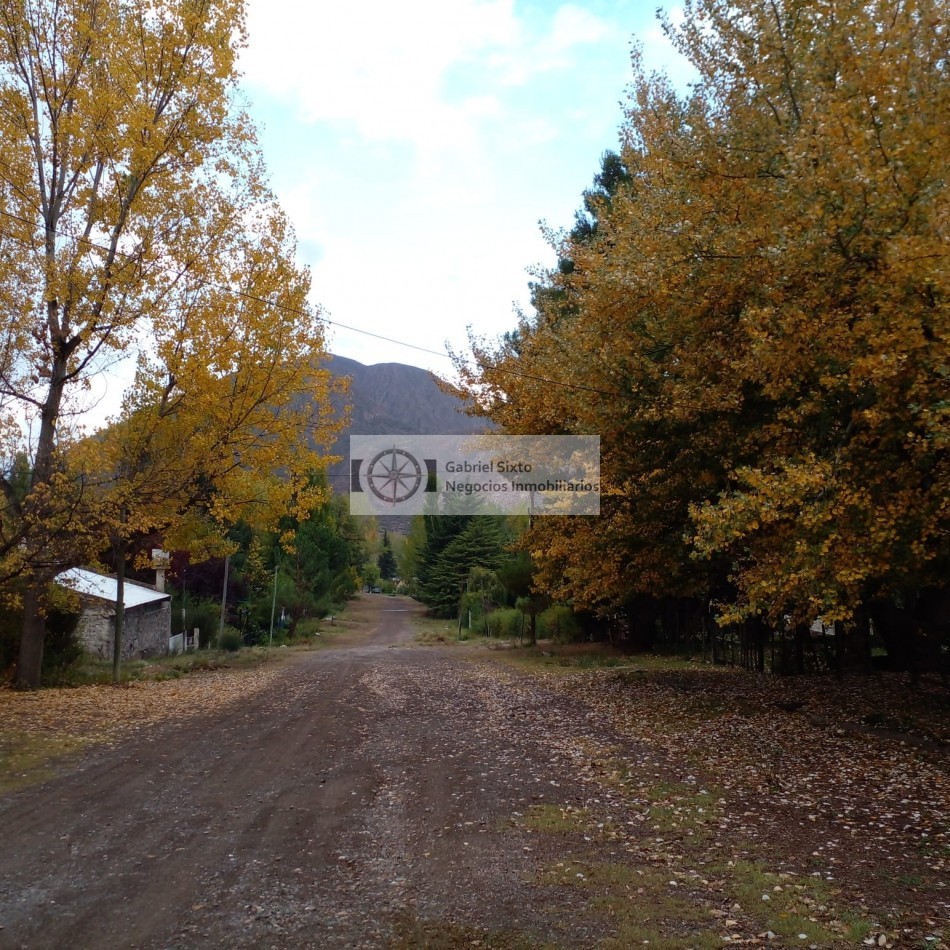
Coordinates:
(394, 475)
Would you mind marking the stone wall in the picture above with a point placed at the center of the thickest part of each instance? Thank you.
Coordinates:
(146, 632)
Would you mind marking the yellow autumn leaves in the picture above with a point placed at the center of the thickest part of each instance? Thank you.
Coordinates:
(135, 223)
(758, 309)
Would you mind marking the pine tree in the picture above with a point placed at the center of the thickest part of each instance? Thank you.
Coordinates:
(386, 560)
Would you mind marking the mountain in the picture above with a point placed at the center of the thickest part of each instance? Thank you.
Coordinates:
(393, 398)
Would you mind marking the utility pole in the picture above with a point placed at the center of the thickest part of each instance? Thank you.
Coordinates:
(184, 626)
(224, 596)
(273, 606)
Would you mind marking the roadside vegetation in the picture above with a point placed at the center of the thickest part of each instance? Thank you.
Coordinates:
(755, 296)
(80, 707)
(752, 311)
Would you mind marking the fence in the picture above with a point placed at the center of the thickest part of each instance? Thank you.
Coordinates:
(182, 642)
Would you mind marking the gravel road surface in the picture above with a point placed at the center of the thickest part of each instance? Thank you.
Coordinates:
(370, 797)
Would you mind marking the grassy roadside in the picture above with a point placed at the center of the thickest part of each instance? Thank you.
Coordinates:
(437, 631)
(551, 657)
(677, 892)
(357, 617)
(93, 671)
(734, 808)
(26, 758)
(545, 656)
(43, 731)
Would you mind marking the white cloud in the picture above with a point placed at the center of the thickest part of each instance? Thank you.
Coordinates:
(381, 66)
(420, 145)
(573, 26)
(378, 65)
(571, 29)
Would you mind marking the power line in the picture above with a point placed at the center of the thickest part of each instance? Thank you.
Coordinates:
(577, 387)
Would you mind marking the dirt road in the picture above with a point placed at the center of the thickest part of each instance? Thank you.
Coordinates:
(390, 794)
(370, 790)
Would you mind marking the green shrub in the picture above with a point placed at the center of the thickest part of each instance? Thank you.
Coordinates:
(506, 623)
(61, 646)
(473, 603)
(559, 623)
(230, 640)
(203, 614)
(11, 620)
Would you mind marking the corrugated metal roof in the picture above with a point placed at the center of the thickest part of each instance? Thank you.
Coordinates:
(104, 588)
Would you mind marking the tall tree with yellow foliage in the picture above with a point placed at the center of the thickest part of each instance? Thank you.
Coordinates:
(135, 222)
(759, 328)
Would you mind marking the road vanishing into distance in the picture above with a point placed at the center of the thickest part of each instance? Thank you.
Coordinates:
(370, 796)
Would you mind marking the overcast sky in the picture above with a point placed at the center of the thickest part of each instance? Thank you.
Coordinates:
(416, 147)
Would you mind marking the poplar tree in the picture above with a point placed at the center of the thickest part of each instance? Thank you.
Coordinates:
(136, 225)
(758, 326)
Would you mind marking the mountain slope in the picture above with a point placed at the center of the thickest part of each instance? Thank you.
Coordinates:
(393, 398)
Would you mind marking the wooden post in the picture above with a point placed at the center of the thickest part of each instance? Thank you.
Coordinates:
(224, 597)
(119, 612)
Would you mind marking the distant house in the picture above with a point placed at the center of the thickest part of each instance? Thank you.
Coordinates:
(148, 615)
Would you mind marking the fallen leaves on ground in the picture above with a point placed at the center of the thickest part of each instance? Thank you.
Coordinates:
(842, 789)
(103, 713)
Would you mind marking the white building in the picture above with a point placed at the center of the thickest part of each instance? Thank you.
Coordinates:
(148, 615)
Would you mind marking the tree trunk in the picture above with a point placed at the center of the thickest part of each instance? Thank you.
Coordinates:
(29, 666)
(296, 615)
(30, 662)
(760, 637)
(857, 646)
(839, 650)
(913, 656)
(642, 614)
(932, 619)
(802, 635)
(895, 627)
